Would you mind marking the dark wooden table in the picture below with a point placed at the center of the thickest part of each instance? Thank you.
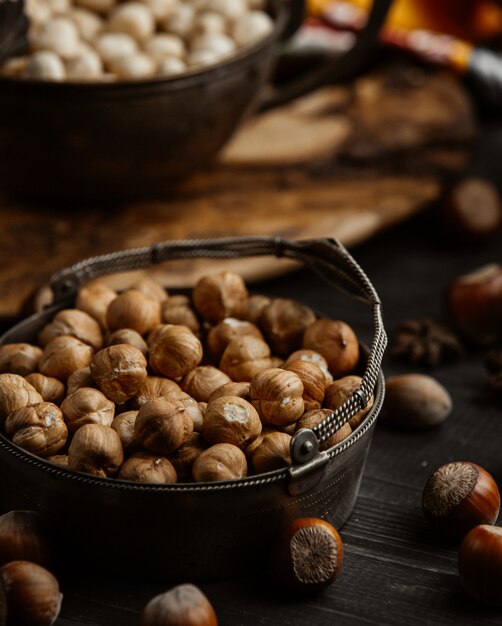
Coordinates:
(396, 572)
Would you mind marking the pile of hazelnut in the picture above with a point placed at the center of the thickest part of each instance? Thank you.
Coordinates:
(158, 388)
(90, 40)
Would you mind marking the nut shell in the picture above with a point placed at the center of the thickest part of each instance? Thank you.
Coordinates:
(178, 310)
(130, 337)
(222, 461)
(24, 536)
(184, 457)
(225, 331)
(119, 371)
(154, 387)
(39, 429)
(336, 342)
(123, 424)
(480, 564)
(241, 390)
(94, 298)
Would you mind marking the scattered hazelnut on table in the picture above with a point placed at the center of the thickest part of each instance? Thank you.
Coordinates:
(231, 420)
(277, 395)
(336, 342)
(24, 537)
(95, 449)
(244, 357)
(480, 564)
(19, 358)
(415, 402)
(51, 389)
(39, 428)
(221, 295)
(15, 393)
(145, 467)
(31, 594)
(308, 555)
(284, 321)
(87, 406)
(133, 309)
(119, 371)
(313, 418)
(459, 496)
(64, 355)
(162, 426)
(184, 604)
(202, 381)
(274, 452)
(74, 323)
(339, 391)
(174, 351)
(223, 461)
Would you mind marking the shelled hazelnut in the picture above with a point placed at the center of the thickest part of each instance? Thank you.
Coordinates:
(274, 452)
(87, 406)
(64, 355)
(123, 424)
(339, 391)
(80, 378)
(284, 321)
(119, 371)
(130, 337)
(202, 381)
(145, 467)
(220, 335)
(178, 310)
(132, 309)
(73, 323)
(311, 419)
(184, 457)
(314, 382)
(256, 304)
(61, 460)
(162, 426)
(277, 395)
(95, 449)
(231, 420)
(244, 357)
(19, 358)
(15, 393)
(336, 342)
(150, 287)
(51, 389)
(190, 406)
(221, 295)
(311, 356)
(152, 388)
(223, 461)
(39, 429)
(241, 390)
(174, 351)
(94, 298)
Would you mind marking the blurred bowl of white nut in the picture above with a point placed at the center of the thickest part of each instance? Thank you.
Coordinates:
(123, 98)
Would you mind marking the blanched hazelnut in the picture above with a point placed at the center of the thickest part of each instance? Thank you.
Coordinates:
(148, 286)
(64, 355)
(231, 420)
(256, 304)
(24, 536)
(123, 424)
(132, 309)
(144, 467)
(244, 357)
(162, 426)
(180, 20)
(171, 66)
(86, 65)
(51, 389)
(111, 47)
(99, 6)
(183, 605)
(44, 65)
(31, 594)
(88, 23)
(314, 382)
(19, 358)
(161, 9)
(119, 371)
(337, 343)
(339, 391)
(277, 396)
(95, 449)
(39, 429)
(273, 453)
(133, 18)
(202, 381)
(74, 323)
(219, 44)
(231, 9)
(130, 337)
(225, 331)
(284, 321)
(178, 310)
(175, 351)
(221, 295)
(154, 387)
(184, 457)
(15, 393)
(252, 26)
(87, 406)
(58, 35)
(222, 461)
(202, 57)
(241, 390)
(209, 23)
(311, 419)
(94, 298)
(80, 378)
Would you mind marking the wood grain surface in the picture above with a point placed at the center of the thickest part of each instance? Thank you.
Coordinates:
(344, 162)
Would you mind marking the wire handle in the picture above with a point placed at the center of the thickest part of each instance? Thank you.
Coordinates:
(326, 257)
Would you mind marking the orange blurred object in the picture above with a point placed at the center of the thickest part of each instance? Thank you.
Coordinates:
(471, 20)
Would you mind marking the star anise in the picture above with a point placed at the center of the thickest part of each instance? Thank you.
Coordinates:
(426, 342)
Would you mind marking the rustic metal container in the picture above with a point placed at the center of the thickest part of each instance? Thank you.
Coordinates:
(197, 531)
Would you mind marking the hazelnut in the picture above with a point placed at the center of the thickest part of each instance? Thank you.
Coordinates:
(174, 351)
(277, 395)
(231, 420)
(39, 429)
(459, 496)
(337, 343)
(474, 304)
(202, 381)
(64, 355)
(31, 593)
(221, 335)
(95, 449)
(51, 389)
(251, 27)
(184, 604)
(15, 393)
(311, 356)
(284, 321)
(133, 18)
(73, 323)
(19, 358)
(119, 371)
(151, 288)
(308, 554)
(123, 424)
(132, 309)
(190, 405)
(184, 457)
(44, 65)
(339, 391)
(80, 378)
(244, 357)
(154, 387)
(274, 452)
(255, 306)
(311, 419)
(222, 461)
(87, 406)
(241, 390)
(130, 337)
(314, 382)
(61, 460)
(415, 401)
(24, 536)
(162, 426)
(94, 298)
(203, 408)
(178, 310)
(220, 295)
(480, 564)
(144, 467)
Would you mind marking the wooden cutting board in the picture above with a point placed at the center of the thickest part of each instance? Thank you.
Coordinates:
(343, 162)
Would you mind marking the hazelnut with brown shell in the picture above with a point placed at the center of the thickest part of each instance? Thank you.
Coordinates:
(130, 337)
(178, 310)
(241, 390)
(154, 387)
(123, 424)
(80, 378)
(94, 298)
(339, 391)
(184, 457)
(311, 419)
(15, 393)
(314, 382)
